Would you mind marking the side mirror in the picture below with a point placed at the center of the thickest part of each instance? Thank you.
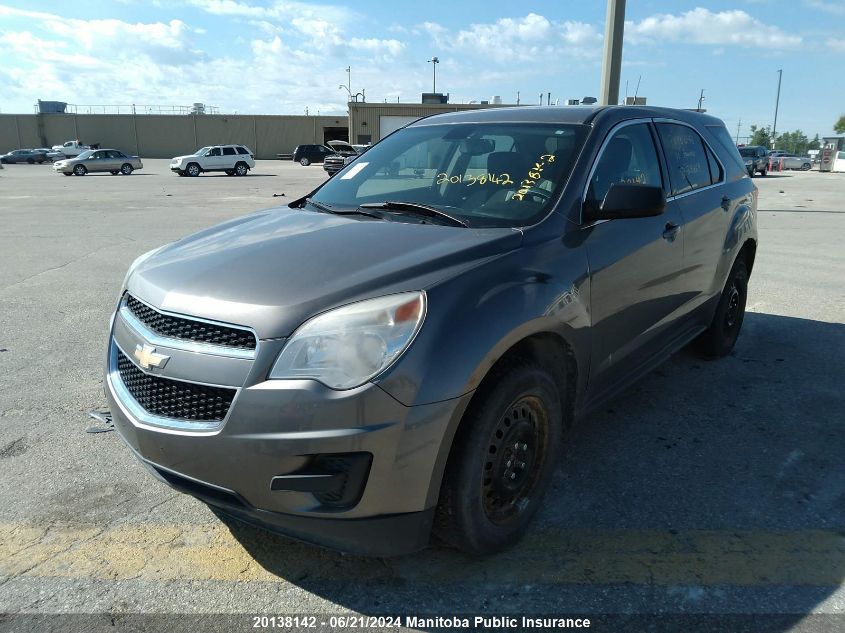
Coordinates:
(627, 200)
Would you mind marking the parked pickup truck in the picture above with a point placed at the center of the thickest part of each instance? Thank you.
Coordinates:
(71, 148)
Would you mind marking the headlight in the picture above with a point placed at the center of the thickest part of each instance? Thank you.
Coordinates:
(345, 347)
(138, 261)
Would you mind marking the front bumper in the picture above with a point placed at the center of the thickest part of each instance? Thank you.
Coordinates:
(275, 430)
(64, 169)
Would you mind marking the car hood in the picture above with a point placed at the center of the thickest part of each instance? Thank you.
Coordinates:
(184, 157)
(275, 269)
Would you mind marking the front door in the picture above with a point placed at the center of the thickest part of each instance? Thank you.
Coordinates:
(635, 264)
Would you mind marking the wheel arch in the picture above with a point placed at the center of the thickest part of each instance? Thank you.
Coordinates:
(548, 349)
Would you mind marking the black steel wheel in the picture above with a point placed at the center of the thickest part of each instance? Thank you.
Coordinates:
(501, 460)
(719, 339)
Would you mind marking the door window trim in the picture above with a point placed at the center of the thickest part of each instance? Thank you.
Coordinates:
(618, 126)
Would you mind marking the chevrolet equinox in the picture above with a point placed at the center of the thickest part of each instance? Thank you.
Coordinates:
(401, 352)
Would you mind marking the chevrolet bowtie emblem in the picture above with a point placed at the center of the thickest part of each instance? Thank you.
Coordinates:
(147, 357)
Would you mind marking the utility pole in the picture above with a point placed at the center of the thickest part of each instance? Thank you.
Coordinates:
(737, 130)
(434, 61)
(777, 103)
(700, 98)
(612, 60)
(517, 97)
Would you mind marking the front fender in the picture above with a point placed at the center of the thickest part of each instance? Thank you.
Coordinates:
(474, 318)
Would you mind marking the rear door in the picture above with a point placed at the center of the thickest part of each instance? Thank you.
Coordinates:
(635, 264)
(696, 177)
(229, 158)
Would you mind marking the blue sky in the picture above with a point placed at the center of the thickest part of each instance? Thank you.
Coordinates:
(278, 57)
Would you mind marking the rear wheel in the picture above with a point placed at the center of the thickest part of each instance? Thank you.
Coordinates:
(30, 161)
(304, 162)
(806, 167)
(501, 461)
(80, 170)
(764, 172)
(126, 169)
(241, 169)
(193, 170)
(719, 339)
(114, 172)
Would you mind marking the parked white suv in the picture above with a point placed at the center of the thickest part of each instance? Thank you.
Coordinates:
(235, 160)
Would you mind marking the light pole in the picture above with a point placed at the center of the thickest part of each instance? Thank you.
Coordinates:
(348, 86)
(434, 61)
(777, 103)
(612, 62)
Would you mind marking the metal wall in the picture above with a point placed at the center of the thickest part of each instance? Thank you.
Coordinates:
(165, 136)
(364, 117)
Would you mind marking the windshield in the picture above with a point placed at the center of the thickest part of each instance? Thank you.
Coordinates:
(86, 154)
(748, 152)
(485, 174)
(201, 151)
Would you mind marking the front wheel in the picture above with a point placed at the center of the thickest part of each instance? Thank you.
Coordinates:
(501, 461)
(193, 170)
(764, 172)
(114, 172)
(719, 339)
(80, 170)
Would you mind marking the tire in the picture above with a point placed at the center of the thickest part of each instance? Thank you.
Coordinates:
(80, 170)
(719, 339)
(501, 460)
(764, 172)
(193, 170)
(65, 173)
(30, 161)
(230, 172)
(304, 162)
(806, 167)
(241, 169)
(180, 173)
(114, 172)
(126, 169)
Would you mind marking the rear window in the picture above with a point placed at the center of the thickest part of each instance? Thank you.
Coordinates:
(228, 151)
(242, 150)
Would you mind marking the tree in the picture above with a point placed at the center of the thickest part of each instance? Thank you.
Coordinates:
(793, 142)
(815, 143)
(839, 128)
(760, 136)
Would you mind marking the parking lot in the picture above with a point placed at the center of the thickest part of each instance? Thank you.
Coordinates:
(708, 487)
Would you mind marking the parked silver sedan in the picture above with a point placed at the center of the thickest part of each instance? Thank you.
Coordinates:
(110, 160)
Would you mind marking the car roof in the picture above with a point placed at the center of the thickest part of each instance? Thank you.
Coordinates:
(565, 114)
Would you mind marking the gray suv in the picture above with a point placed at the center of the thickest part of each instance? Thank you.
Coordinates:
(403, 350)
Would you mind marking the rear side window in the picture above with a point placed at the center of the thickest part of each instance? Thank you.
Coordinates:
(716, 172)
(732, 158)
(689, 168)
(228, 151)
(242, 150)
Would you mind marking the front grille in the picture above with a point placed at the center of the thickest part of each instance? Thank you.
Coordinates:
(173, 398)
(188, 329)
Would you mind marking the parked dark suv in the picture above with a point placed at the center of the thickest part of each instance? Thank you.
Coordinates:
(756, 158)
(307, 154)
(404, 349)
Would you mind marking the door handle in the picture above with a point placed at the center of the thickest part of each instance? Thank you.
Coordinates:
(726, 203)
(670, 231)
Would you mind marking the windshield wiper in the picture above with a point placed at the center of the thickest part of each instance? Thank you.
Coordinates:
(327, 209)
(414, 208)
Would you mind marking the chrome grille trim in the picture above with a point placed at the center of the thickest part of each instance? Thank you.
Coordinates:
(154, 338)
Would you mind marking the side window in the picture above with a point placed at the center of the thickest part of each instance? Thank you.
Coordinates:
(629, 156)
(716, 172)
(215, 151)
(228, 151)
(242, 150)
(688, 165)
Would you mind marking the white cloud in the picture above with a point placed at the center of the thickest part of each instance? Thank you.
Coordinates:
(837, 44)
(702, 26)
(532, 38)
(834, 8)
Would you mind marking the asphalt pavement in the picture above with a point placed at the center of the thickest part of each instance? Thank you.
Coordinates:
(709, 487)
